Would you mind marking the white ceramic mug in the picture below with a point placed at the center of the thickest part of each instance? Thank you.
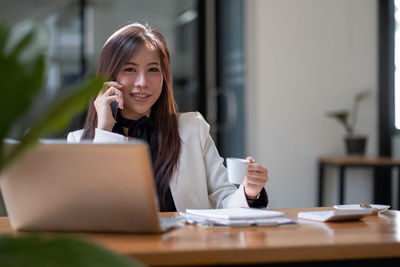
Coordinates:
(237, 169)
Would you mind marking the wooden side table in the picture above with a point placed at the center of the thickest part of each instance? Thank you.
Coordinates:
(350, 161)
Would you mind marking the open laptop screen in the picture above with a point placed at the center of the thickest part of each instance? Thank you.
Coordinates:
(82, 187)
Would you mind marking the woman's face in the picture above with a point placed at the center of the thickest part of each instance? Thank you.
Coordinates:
(142, 81)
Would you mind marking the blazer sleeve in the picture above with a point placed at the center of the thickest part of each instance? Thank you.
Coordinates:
(101, 136)
(221, 193)
(74, 137)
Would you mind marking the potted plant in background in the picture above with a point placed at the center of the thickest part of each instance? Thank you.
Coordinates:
(22, 71)
(355, 143)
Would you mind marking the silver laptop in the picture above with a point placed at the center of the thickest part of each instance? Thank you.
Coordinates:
(83, 187)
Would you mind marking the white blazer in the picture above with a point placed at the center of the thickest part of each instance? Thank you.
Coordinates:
(200, 179)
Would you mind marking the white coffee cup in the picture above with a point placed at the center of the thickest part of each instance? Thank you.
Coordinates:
(237, 169)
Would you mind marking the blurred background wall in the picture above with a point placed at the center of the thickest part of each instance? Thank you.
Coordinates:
(305, 58)
(264, 73)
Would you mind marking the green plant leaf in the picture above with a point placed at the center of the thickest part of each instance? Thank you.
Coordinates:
(42, 251)
(18, 90)
(360, 96)
(56, 117)
(21, 80)
(342, 117)
(339, 115)
(357, 99)
(26, 42)
(22, 70)
(3, 36)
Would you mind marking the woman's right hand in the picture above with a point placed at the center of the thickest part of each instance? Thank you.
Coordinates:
(110, 93)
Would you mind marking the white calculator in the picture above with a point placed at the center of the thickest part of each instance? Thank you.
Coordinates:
(333, 215)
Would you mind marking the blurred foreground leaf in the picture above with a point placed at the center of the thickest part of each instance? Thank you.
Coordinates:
(57, 117)
(21, 80)
(36, 250)
(22, 71)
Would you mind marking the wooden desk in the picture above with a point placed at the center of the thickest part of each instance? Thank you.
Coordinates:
(346, 162)
(374, 237)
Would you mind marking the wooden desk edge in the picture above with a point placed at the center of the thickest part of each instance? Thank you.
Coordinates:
(275, 255)
(254, 256)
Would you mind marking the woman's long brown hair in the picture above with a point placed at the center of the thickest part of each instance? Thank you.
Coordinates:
(116, 52)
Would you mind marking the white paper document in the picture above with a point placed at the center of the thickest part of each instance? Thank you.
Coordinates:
(235, 217)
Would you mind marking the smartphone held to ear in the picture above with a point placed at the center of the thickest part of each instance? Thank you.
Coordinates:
(114, 109)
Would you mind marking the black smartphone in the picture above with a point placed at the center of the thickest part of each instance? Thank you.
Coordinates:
(114, 109)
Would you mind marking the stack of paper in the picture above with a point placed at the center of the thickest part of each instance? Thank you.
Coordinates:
(235, 217)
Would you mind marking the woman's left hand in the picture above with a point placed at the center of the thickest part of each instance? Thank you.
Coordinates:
(255, 179)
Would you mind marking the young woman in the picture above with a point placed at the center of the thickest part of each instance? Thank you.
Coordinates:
(138, 102)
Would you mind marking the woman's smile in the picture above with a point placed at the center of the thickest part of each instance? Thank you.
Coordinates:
(140, 97)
